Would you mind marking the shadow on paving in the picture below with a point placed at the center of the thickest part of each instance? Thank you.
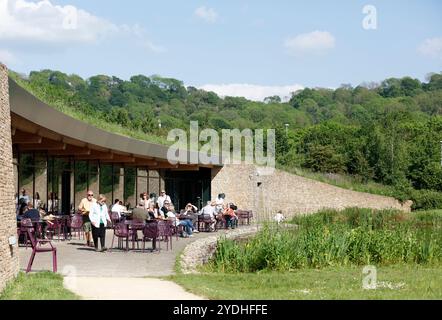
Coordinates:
(75, 259)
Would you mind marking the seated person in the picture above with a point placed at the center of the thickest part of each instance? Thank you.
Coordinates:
(186, 223)
(31, 213)
(140, 213)
(230, 216)
(153, 211)
(118, 208)
(191, 212)
(209, 211)
(165, 208)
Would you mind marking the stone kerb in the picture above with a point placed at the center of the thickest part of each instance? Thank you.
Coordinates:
(200, 251)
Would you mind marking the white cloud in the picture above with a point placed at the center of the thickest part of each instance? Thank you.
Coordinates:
(251, 91)
(207, 14)
(25, 22)
(316, 42)
(431, 48)
(7, 57)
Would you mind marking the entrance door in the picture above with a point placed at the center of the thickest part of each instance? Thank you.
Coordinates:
(65, 192)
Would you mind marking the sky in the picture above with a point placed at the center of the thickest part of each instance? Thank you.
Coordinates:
(233, 47)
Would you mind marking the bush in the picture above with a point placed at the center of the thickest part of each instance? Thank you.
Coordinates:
(426, 200)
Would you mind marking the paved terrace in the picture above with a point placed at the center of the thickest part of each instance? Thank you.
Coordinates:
(75, 259)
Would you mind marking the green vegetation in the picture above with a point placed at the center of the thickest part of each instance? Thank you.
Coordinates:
(322, 256)
(330, 238)
(378, 134)
(393, 282)
(38, 286)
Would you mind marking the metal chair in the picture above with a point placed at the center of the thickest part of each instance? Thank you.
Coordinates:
(37, 247)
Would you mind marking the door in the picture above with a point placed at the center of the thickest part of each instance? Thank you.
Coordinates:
(65, 192)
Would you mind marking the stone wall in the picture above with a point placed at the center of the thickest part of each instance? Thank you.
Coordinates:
(247, 187)
(8, 254)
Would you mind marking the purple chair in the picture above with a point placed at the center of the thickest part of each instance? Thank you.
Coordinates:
(115, 218)
(121, 231)
(25, 225)
(150, 231)
(37, 247)
(54, 228)
(135, 225)
(165, 232)
(76, 224)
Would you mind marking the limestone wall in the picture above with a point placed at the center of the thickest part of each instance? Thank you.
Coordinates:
(246, 186)
(8, 228)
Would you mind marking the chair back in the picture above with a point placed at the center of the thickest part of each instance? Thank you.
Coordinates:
(76, 221)
(164, 228)
(151, 230)
(26, 223)
(121, 230)
(115, 217)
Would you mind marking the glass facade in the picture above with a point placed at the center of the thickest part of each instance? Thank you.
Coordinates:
(58, 184)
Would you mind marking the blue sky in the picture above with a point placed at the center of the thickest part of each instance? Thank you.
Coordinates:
(249, 47)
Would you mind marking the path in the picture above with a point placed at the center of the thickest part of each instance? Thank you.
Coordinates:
(117, 274)
(93, 288)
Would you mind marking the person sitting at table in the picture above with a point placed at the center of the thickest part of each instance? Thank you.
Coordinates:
(230, 216)
(140, 214)
(186, 223)
(209, 211)
(99, 217)
(165, 208)
(152, 211)
(31, 213)
(191, 212)
(118, 208)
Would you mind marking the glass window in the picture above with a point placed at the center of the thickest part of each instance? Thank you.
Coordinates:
(106, 178)
(130, 177)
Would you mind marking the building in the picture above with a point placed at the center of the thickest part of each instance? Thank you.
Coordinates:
(47, 152)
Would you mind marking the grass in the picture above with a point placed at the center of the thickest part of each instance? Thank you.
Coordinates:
(38, 286)
(393, 282)
(62, 106)
(324, 259)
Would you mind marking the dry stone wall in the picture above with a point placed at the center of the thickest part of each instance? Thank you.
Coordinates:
(246, 186)
(8, 254)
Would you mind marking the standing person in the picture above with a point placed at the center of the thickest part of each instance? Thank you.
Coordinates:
(85, 208)
(99, 217)
(37, 201)
(219, 203)
(24, 198)
(144, 201)
(163, 198)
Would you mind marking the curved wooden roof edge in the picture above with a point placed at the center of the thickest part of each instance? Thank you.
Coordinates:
(29, 107)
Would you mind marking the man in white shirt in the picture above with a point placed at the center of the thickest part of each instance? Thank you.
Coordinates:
(209, 210)
(163, 197)
(118, 208)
